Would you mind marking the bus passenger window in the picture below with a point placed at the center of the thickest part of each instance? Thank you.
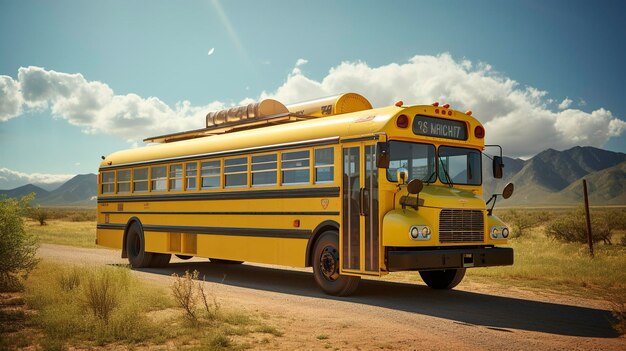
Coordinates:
(236, 172)
(264, 170)
(324, 165)
(295, 167)
(210, 174)
(140, 180)
(159, 178)
(191, 176)
(108, 182)
(123, 181)
(176, 177)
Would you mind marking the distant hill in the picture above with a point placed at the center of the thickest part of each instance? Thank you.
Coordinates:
(555, 177)
(76, 191)
(607, 186)
(25, 190)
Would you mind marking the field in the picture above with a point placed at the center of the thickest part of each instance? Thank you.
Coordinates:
(43, 315)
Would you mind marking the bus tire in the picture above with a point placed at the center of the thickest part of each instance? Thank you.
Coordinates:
(135, 247)
(443, 279)
(160, 260)
(221, 261)
(183, 257)
(326, 267)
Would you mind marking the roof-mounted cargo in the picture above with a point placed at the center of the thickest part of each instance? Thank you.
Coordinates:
(269, 112)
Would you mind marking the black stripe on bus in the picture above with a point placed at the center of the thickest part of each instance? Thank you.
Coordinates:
(246, 194)
(246, 151)
(260, 232)
(320, 213)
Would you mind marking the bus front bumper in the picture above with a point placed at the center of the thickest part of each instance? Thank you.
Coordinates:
(412, 260)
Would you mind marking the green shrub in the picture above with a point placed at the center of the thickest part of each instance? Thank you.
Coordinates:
(39, 214)
(572, 227)
(17, 247)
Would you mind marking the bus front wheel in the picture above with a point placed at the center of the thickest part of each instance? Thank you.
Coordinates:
(443, 279)
(326, 267)
(135, 247)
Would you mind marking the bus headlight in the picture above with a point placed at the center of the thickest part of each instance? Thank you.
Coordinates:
(499, 232)
(419, 232)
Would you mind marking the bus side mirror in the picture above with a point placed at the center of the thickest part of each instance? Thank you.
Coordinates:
(382, 155)
(497, 167)
(401, 175)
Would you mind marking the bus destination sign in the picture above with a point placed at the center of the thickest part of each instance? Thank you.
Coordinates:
(440, 128)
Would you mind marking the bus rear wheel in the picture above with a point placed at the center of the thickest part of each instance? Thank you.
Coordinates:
(443, 279)
(135, 247)
(326, 267)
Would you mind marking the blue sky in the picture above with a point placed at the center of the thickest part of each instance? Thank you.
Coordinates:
(514, 61)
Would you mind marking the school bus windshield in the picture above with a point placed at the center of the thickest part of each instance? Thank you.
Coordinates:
(462, 165)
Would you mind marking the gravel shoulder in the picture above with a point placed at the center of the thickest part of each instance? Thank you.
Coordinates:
(384, 314)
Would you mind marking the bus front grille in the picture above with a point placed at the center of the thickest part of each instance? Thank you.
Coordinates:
(459, 226)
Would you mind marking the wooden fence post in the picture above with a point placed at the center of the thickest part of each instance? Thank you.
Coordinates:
(589, 240)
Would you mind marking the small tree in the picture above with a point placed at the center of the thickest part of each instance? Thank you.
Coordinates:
(17, 247)
(39, 214)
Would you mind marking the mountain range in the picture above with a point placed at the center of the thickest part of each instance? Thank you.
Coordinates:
(79, 191)
(555, 177)
(549, 178)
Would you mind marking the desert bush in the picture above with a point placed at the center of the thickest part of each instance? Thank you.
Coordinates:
(102, 295)
(17, 247)
(188, 293)
(522, 221)
(71, 304)
(69, 280)
(185, 294)
(572, 227)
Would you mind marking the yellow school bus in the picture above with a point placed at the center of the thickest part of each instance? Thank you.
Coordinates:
(331, 184)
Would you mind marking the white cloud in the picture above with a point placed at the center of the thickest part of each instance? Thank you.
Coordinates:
(94, 107)
(517, 117)
(10, 179)
(565, 104)
(10, 99)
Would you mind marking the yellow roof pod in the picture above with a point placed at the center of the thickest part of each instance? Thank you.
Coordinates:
(331, 105)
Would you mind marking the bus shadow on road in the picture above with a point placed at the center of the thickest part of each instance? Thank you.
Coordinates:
(469, 308)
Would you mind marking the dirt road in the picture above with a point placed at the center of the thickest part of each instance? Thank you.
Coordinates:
(388, 315)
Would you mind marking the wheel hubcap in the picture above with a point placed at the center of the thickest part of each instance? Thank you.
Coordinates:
(329, 264)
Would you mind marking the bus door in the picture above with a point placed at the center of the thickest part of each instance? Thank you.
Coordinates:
(359, 236)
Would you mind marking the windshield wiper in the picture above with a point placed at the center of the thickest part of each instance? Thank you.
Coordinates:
(446, 173)
(430, 176)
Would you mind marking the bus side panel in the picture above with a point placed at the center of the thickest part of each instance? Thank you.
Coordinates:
(110, 238)
(282, 251)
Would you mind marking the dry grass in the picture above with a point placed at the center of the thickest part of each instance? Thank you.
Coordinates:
(62, 232)
(86, 307)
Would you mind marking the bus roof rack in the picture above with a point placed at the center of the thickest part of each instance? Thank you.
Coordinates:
(229, 127)
(268, 112)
